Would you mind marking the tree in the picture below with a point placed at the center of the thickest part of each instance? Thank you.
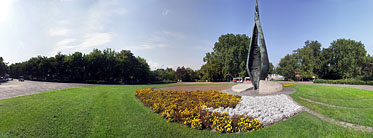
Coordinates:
(343, 59)
(287, 66)
(271, 68)
(304, 60)
(228, 58)
(3, 67)
(165, 74)
(212, 70)
(75, 66)
(60, 67)
(368, 69)
(183, 74)
(347, 58)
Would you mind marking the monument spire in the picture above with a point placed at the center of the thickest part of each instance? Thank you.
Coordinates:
(257, 60)
(256, 7)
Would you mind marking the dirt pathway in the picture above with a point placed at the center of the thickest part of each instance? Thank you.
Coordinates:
(15, 88)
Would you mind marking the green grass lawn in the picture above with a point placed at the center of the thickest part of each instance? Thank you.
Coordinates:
(114, 111)
(359, 102)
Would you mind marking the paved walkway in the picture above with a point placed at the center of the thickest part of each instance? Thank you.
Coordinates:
(242, 87)
(15, 88)
(286, 91)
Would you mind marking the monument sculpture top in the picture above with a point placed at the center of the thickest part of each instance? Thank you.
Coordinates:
(257, 61)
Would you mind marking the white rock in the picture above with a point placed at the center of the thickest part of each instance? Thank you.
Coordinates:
(267, 109)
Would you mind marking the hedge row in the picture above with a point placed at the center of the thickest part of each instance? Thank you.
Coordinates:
(346, 81)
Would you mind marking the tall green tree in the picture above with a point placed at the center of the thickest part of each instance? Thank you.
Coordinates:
(308, 59)
(347, 58)
(183, 74)
(287, 66)
(228, 58)
(212, 70)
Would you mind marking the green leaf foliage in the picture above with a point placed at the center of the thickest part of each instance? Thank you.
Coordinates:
(106, 66)
(228, 58)
(343, 59)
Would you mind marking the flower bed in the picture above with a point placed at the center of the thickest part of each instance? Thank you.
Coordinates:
(287, 85)
(187, 107)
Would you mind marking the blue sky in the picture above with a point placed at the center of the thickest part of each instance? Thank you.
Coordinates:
(172, 33)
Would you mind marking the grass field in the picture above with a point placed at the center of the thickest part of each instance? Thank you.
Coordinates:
(114, 111)
(358, 103)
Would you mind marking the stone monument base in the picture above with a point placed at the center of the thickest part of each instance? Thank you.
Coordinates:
(269, 87)
(242, 87)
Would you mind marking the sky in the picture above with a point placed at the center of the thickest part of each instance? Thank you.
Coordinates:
(172, 33)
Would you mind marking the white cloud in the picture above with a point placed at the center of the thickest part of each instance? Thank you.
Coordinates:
(147, 46)
(91, 32)
(156, 38)
(89, 41)
(65, 41)
(96, 39)
(101, 12)
(175, 34)
(58, 31)
(165, 12)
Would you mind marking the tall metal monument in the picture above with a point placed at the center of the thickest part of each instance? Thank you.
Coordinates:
(257, 61)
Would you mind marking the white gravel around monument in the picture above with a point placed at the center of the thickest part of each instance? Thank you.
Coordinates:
(267, 109)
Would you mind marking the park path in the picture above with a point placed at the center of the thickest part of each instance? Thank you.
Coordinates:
(15, 88)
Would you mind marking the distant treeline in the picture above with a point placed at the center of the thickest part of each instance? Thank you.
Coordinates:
(106, 66)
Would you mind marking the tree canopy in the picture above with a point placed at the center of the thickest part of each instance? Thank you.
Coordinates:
(104, 66)
(228, 58)
(343, 59)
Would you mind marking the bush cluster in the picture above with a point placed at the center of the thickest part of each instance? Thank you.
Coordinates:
(345, 81)
(188, 107)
